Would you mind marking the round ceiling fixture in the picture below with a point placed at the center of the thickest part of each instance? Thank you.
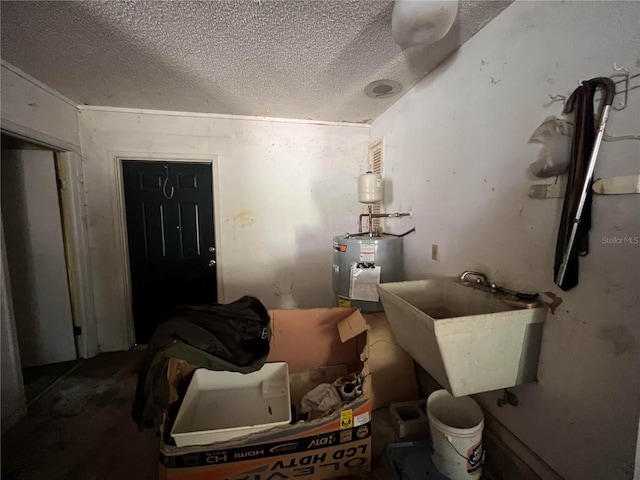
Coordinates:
(422, 23)
(383, 89)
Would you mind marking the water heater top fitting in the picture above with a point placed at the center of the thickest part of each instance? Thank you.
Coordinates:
(370, 188)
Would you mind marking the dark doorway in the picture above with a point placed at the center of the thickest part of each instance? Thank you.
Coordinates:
(169, 210)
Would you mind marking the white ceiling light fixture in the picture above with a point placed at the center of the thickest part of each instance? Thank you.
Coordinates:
(383, 89)
(421, 22)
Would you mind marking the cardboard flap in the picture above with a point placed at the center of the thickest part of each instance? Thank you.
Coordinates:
(177, 371)
(352, 326)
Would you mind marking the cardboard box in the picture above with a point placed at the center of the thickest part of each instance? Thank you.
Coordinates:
(315, 343)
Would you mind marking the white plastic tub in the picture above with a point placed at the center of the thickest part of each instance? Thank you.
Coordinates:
(470, 341)
(219, 406)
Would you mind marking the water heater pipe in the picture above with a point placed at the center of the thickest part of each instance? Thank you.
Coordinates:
(372, 215)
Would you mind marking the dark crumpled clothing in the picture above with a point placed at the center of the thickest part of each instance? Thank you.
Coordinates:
(234, 337)
(156, 386)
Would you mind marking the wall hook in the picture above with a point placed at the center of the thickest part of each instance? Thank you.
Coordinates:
(619, 69)
(168, 196)
(622, 104)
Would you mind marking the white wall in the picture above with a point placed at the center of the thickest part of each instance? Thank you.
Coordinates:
(32, 110)
(282, 190)
(457, 154)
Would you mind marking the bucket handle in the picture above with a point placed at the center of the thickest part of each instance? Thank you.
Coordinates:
(448, 439)
(454, 448)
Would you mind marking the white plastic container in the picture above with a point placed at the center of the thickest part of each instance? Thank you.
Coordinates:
(219, 406)
(456, 425)
(370, 188)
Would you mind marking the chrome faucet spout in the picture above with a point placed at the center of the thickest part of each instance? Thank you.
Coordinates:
(479, 279)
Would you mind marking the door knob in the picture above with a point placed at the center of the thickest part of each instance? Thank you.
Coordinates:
(212, 263)
(212, 249)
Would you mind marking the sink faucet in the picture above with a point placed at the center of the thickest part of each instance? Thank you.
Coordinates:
(481, 280)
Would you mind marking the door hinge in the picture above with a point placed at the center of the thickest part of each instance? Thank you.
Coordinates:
(77, 331)
(61, 183)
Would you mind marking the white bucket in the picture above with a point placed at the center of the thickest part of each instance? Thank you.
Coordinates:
(456, 425)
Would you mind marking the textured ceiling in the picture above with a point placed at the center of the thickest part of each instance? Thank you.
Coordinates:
(279, 58)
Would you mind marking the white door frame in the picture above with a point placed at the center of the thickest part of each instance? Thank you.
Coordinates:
(74, 213)
(120, 224)
(76, 244)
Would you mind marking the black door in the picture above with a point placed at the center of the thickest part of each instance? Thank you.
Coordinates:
(169, 209)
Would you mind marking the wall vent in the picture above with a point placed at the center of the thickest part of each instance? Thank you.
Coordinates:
(376, 154)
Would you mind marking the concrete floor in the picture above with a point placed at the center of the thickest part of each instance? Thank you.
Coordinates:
(37, 380)
(81, 429)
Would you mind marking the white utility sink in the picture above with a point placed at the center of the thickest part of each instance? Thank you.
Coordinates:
(469, 340)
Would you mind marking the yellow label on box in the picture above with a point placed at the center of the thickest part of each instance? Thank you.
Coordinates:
(344, 302)
(346, 419)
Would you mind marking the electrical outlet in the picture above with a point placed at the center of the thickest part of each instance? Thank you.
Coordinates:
(434, 252)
